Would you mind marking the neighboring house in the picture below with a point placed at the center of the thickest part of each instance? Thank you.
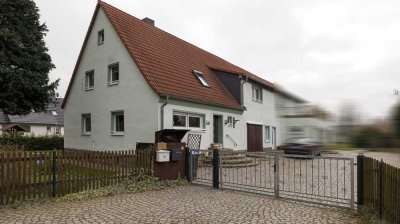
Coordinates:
(132, 79)
(49, 122)
(297, 119)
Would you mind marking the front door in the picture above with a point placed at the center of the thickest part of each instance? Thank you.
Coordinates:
(254, 138)
(217, 129)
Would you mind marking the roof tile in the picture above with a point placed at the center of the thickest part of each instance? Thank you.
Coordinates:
(167, 62)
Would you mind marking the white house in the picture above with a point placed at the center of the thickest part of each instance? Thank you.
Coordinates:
(132, 79)
(48, 122)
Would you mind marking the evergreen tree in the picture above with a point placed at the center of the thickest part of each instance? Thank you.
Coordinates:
(24, 61)
(396, 120)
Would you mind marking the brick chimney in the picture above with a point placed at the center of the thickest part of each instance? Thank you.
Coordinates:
(148, 21)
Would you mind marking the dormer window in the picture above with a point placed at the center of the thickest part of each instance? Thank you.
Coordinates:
(100, 37)
(201, 78)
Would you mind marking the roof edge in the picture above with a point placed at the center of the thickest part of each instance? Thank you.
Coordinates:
(201, 102)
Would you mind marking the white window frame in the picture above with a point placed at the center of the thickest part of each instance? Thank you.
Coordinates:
(87, 81)
(100, 37)
(187, 116)
(201, 78)
(267, 133)
(84, 124)
(259, 98)
(114, 115)
(109, 74)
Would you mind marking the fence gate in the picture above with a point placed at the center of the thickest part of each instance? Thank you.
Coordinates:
(316, 179)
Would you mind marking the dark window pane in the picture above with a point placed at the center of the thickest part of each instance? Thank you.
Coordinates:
(179, 120)
(91, 79)
(115, 73)
(119, 122)
(100, 37)
(88, 125)
(194, 122)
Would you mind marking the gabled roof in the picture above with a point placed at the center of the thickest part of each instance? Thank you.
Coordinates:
(34, 118)
(56, 106)
(45, 117)
(167, 62)
(19, 127)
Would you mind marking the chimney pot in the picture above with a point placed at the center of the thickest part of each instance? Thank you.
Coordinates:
(148, 21)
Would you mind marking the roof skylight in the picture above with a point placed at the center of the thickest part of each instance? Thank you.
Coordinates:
(201, 78)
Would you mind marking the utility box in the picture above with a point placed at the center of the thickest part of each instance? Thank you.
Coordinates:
(162, 155)
(176, 154)
(171, 139)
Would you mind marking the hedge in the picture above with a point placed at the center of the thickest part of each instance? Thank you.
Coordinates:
(32, 142)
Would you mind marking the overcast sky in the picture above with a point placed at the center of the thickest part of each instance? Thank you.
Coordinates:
(327, 52)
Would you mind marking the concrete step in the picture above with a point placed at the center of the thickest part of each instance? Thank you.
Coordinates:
(230, 156)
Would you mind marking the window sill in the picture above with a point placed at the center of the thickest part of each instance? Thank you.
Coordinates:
(198, 130)
(86, 134)
(100, 43)
(117, 133)
(190, 128)
(113, 83)
(88, 89)
(267, 141)
(257, 101)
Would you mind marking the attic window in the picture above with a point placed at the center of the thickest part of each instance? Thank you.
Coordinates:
(100, 37)
(201, 78)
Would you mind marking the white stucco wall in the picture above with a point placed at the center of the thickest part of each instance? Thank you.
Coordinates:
(237, 133)
(260, 113)
(133, 95)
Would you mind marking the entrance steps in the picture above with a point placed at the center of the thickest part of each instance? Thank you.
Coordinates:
(231, 159)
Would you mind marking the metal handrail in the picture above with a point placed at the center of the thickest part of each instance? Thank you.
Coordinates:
(234, 143)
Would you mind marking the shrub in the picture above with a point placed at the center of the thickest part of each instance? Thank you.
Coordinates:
(31, 142)
(371, 137)
(134, 183)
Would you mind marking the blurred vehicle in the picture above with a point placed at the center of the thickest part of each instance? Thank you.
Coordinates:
(302, 146)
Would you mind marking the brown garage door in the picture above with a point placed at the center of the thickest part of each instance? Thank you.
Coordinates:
(254, 138)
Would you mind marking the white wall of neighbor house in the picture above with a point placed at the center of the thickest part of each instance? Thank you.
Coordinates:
(262, 113)
(307, 127)
(237, 133)
(132, 95)
(43, 130)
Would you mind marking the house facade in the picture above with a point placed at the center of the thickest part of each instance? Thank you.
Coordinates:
(46, 123)
(132, 79)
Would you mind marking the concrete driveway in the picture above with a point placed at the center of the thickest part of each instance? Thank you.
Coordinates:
(186, 204)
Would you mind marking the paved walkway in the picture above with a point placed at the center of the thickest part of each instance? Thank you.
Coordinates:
(187, 204)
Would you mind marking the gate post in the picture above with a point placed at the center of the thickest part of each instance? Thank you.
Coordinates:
(360, 179)
(215, 164)
(188, 164)
(276, 176)
(54, 175)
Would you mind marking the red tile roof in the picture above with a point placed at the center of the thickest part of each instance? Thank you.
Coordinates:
(167, 62)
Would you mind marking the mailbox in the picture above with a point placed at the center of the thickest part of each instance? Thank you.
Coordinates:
(176, 154)
(162, 156)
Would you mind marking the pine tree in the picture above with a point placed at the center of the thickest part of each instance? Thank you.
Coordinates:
(396, 120)
(24, 60)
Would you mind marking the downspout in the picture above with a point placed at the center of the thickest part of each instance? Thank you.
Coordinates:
(241, 91)
(162, 111)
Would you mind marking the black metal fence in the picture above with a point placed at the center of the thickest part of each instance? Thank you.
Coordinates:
(315, 179)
